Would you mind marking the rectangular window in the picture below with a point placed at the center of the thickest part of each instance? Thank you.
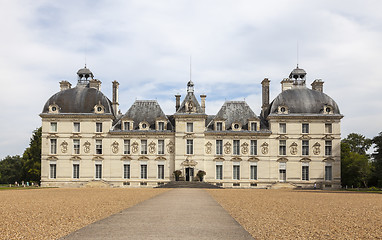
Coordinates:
(219, 126)
(253, 172)
(236, 172)
(219, 171)
(98, 127)
(126, 146)
(143, 146)
(126, 126)
(328, 128)
(219, 147)
(328, 148)
(328, 173)
(76, 171)
(305, 128)
(98, 172)
(53, 127)
(190, 127)
(305, 147)
(282, 147)
(53, 170)
(76, 127)
(76, 146)
(126, 171)
(160, 171)
(53, 146)
(161, 126)
(144, 171)
(305, 172)
(282, 127)
(236, 147)
(98, 146)
(160, 146)
(253, 147)
(253, 126)
(190, 146)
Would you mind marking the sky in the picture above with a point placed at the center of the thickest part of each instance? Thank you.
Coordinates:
(146, 46)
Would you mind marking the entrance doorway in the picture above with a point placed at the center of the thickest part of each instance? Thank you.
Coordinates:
(189, 174)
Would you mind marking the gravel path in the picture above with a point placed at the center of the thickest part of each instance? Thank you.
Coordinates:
(283, 214)
(53, 213)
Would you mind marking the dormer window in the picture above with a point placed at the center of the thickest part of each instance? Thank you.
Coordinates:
(236, 126)
(144, 126)
(54, 108)
(328, 109)
(219, 126)
(126, 126)
(160, 126)
(99, 108)
(283, 110)
(253, 126)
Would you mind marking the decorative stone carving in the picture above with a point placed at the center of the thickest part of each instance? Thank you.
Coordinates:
(134, 147)
(244, 148)
(152, 147)
(170, 147)
(87, 147)
(208, 147)
(264, 148)
(316, 148)
(64, 147)
(293, 148)
(115, 147)
(227, 148)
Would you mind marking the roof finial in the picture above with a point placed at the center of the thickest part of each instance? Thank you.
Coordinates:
(297, 53)
(190, 67)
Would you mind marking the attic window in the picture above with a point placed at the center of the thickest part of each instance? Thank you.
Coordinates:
(283, 110)
(328, 109)
(219, 126)
(99, 108)
(236, 126)
(144, 126)
(53, 108)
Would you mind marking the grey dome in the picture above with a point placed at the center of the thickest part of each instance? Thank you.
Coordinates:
(301, 100)
(80, 99)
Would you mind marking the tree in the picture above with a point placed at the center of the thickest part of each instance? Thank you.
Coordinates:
(32, 158)
(377, 160)
(11, 169)
(358, 143)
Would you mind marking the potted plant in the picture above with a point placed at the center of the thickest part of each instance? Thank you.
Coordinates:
(201, 175)
(177, 174)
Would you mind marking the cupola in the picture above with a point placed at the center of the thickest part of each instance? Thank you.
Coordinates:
(84, 75)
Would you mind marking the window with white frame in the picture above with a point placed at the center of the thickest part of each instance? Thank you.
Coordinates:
(126, 146)
(53, 126)
(305, 147)
(328, 148)
(219, 170)
(52, 172)
(305, 171)
(126, 170)
(219, 147)
(160, 126)
(160, 146)
(253, 147)
(76, 146)
(282, 147)
(53, 146)
(219, 126)
(253, 126)
(98, 171)
(126, 126)
(328, 171)
(76, 170)
(236, 147)
(190, 127)
(282, 127)
(328, 128)
(143, 146)
(253, 171)
(160, 171)
(76, 127)
(236, 171)
(305, 128)
(190, 146)
(98, 127)
(98, 146)
(144, 171)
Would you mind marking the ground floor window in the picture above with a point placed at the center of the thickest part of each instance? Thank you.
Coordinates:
(305, 172)
(53, 169)
(144, 171)
(282, 171)
(161, 171)
(236, 172)
(98, 172)
(219, 171)
(253, 172)
(76, 170)
(328, 173)
(126, 171)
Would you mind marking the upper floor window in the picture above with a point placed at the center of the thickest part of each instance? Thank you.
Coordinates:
(305, 128)
(53, 126)
(219, 147)
(76, 146)
(99, 146)
(126, 146)
(190, 146)
(328, 148)
(160, 146)
(76, 127)
(253, 147)
(98, 127)
(126, 126)
(328, 128)
(160, 126)
(53, 146)
(190, 127)
(219, 126)
(282, 147)
(253, 126)
(143, 146)
(282, 127)
(305, 147)
(236, 147)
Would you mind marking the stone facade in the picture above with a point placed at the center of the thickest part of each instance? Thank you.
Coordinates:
(295, 140)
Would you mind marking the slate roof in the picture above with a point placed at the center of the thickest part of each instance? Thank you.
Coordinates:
(190, 97)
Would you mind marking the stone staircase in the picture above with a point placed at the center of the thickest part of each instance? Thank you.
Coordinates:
(184, 184)
(283, 185)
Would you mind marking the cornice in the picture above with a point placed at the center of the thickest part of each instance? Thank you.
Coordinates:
(236, 133)
(306, 116)
(71, 115)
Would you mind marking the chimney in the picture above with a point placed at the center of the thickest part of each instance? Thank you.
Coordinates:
(95, 83)
(177, 104)
(318, 85)
(65, 85)
(115, 103)
(286, 84)
(265, 85)
(203, 102)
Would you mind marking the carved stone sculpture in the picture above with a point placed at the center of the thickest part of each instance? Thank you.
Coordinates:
(64, 147)
(134, 147)
(87, 147)
(208, 147)
(115, 147)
